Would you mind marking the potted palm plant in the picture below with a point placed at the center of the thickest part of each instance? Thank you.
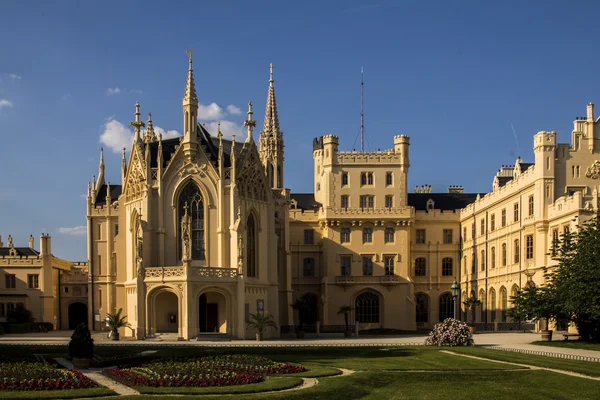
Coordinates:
(261, 322)
(346, 311)
(81, 347)
(471, 304)
(115, 321)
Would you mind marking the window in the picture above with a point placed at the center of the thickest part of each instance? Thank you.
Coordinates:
(367, 308)
(388, 263)
(345, 265)
(493, 256)
(464, 233)
(516, 212)
(344, 179)
(473, 230)
(447, 266)
(531, 205)
(251, 248)
(389, 235)
(517, 251)
(420, 267)
(10, 307)
(116, 229)
(309, 267)
(482, 260)
(100, 297)
(100, 231)
(309, 236)
(422, 302)
(493, 305)
(345, 235)
(99, 264)
(465, 263)
(493, 222)
(389, 180)
(555, 241)
(367, 201)
(389, 201)
(2, 310)
(482, 230)
(345, 201)
(33, 281)
(503, 303)
(10, 281)
(474, 263)
(504, 254)
(420, 236)
(367, 235)
(566, 230)
(529, 247)
(367, 266)
(191, 206)
(446, 306)
(366, 178)
(503, 217)
(447, 233)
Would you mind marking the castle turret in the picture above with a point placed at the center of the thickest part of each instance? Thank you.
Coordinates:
(544, 148)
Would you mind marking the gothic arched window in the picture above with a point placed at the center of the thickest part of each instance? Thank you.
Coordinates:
(446, 306)
(367, 308)
(422, 307)
(251, 247)
(190, 202)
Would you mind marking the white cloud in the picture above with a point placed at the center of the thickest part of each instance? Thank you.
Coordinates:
(75, 231)
(14, 76)
(5, 103)
(116, 136)
(211, 112)
(166, 134)
(228, 128)
(111, 91)
(231, 109)
(83, 196)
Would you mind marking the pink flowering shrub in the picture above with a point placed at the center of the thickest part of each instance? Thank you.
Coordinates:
(450, 332)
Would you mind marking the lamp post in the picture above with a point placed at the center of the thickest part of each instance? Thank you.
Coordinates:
(455, 288)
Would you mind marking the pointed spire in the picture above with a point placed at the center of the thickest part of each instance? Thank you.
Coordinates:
(271, 124)
(137, 123)
(100, 180)
(219, 133)
(123, 167)
(250, 123)
(89, 192)
(190, 88)
(150, 136)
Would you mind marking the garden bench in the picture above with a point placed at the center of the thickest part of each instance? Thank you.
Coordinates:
(568, 335)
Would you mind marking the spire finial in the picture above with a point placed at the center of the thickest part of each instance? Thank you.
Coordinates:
(219, 133)
(189, 53)
(101, 155)
(271, 123)
(137, 123)
(124, 150)
(271, 66)
(150, 136)
(250, 123)
(190, 88)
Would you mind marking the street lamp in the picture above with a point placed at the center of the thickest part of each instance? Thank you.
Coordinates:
(455, 288)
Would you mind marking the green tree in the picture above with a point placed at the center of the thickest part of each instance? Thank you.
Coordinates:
(115, 321)
(535, 303)
(261, 322)
(345, 310)
(19, 315)
(471, 304)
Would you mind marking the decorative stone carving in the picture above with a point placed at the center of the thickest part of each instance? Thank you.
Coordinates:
(190, 168)
(185, 234)
(208, 272)
(593, 170)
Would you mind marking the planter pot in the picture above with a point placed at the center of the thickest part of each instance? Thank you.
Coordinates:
(546, 335)
(472, 329)
(300, 335)
(347, 333)
(259, 337)
(114, 336)
(81, 363)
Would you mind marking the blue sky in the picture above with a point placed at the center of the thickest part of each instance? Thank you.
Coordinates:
(456, 76)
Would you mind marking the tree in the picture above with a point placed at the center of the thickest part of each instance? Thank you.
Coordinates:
(261, 322)
(345, 310)
(19, 315)
(575, 281)
(471, 304)
(115, 321)
(81, 344)
(535, 303)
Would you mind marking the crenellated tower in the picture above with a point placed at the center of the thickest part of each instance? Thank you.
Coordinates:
(271, 139)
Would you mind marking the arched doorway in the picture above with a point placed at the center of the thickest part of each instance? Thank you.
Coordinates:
(212, 313)
(310, 314)
(166, 312)
(78, 314)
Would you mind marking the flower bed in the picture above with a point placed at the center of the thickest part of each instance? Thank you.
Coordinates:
(201, 372)
(40, 376)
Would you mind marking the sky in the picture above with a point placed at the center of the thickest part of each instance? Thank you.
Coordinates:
(470, 82)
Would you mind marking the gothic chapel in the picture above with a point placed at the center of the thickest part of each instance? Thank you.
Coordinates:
(194, 240)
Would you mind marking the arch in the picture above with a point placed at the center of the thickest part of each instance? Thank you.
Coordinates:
(368, 307)
(251, 247)
(164, 310)
(422, 305)
(481, 307)
(503, 303)
(212, 312)
(446, 306)
(492, 304)
(191, 203)
(447, 266)
(420, 266)
(310, 315)
(78, 314)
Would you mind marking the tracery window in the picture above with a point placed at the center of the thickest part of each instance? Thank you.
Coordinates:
(367, 308)
(422, 303)
(446, 306)
(191, 202)
(251, 246)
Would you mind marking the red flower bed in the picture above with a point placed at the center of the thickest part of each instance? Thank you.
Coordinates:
(24, 376)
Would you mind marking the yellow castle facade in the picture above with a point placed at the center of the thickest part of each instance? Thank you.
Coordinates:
(202, 232)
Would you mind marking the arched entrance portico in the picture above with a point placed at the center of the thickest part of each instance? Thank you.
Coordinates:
(78, 314)
(212, 313)
(164, 311)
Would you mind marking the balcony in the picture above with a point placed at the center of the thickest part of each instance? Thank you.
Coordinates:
(164, 273)
(384, 280)
(215, 272)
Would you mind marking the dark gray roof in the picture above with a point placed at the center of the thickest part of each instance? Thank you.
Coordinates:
(442, 201)
(305, 201)
(503, 180)
(21, 251)
(525, 166)
(115, 192)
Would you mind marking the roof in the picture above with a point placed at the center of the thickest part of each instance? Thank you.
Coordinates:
(21, 251)
(305, 201)
(442, 201)
(503, 180)
(115, 192)
(525, 166)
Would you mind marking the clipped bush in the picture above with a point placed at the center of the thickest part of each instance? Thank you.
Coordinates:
(81, 344)
(450, 332)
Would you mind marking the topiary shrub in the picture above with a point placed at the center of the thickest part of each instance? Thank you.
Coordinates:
(81, 344)
(450, 332)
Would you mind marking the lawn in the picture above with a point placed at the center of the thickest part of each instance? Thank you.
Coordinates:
(571, 344)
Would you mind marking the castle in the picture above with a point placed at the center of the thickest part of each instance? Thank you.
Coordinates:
(202, 232)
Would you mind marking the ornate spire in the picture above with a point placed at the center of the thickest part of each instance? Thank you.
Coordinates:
(150, 136)
(190, 88)
(250, 123)
(137, 123)
(271, 124)
(100, 180)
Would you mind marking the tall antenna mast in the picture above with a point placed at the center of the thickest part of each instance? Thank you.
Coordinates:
(362, 111)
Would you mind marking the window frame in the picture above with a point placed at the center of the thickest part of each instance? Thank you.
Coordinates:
(309, 236)
(420, 266)
(33, 281)
(447, 236)
(367, 235)
(420, 236)
(447, 266)
(367, 265)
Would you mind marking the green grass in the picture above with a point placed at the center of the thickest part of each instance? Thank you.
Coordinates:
(58, 394)
(571, 344)
(582, 367)
(270, 384)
